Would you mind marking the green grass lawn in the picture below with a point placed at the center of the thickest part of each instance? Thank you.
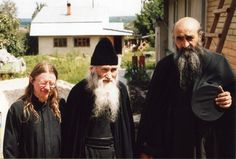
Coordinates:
(73, 67)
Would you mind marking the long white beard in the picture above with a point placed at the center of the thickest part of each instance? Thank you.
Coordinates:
(106, 97)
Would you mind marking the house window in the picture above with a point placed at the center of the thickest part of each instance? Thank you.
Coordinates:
(82, 42)
(60, 42)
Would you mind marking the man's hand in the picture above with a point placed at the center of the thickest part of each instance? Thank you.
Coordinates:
(223, 99)
(145, 156)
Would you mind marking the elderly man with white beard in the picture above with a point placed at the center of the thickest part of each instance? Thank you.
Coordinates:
(97, 121)
(190, 106)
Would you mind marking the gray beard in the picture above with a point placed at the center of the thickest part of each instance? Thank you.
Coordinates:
(106, 102)
(189, 65)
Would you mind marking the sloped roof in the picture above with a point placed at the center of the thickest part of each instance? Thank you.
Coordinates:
(51, 21)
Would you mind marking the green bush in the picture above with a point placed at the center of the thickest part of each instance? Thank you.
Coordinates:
(136, 75)
(138, 81)
(138, 78)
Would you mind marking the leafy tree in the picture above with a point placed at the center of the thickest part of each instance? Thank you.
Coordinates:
(8, 7)
(9, 29)
(146, 19)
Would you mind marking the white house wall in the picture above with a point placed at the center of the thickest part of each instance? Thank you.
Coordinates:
(46, 46)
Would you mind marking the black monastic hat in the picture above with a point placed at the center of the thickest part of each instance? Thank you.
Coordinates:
(203, 102)
(104, 53)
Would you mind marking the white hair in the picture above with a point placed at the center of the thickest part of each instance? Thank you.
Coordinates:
(106, 97)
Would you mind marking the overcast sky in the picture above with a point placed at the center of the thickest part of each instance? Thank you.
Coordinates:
(25, 8)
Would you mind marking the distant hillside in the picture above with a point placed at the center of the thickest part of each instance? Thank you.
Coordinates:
(24, 22)
(124, 19)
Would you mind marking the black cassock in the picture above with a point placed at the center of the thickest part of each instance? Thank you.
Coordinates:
(31, 138)
(76, 118)
(168, 126)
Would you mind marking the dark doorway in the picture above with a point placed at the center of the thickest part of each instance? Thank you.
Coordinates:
(118, 44)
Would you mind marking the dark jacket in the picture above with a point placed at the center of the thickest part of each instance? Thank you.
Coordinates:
(168, 126)
(76, 117)
(32, 139)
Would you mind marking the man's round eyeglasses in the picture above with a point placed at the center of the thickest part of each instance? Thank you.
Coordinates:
(45, 83)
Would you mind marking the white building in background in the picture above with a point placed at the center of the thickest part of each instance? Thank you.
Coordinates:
(69, 29)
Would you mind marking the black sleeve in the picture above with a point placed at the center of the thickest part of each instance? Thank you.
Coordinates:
(73, 120)
(149, 135)
(11, 141)
(130, 115)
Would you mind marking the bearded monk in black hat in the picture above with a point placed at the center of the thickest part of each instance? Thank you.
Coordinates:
(97, 121)
(190, 105)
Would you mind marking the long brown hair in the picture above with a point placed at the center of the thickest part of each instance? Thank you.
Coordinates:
(29, 110)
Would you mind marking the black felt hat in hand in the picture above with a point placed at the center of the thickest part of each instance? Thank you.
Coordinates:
(203, 102)
(104, 53)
